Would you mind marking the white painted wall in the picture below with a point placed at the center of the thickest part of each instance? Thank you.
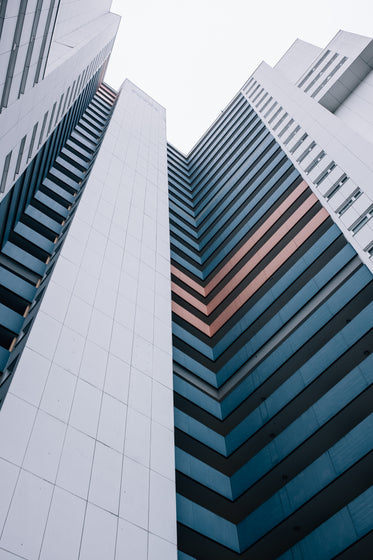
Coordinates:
(341, 142)
(297, 59)
(91, 45)
(74, 14)
(7, 43)
(357, 110)
(86, 430)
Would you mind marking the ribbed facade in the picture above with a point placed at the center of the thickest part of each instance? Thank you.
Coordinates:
(272, 340)
(36, 214)
(258, 382)
(49, 51)
(87, 467)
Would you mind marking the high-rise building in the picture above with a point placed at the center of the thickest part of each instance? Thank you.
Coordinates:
(86, 428)
(271, 245)
(259, 383)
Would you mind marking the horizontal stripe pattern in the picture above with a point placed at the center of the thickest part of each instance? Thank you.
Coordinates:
(272, 331)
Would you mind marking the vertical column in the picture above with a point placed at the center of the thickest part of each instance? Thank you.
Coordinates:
(86, 431)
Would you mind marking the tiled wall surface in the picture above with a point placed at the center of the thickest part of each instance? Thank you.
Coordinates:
(86, 431)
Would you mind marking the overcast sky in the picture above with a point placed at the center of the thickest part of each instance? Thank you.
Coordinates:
(193, 56)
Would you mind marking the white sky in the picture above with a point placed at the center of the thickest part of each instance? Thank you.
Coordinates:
(193, 56)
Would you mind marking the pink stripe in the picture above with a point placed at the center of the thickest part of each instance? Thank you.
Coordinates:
(269, 270)
(187, 280)
(276, 215)
(250, 265)
(255, 284)
(204, 291)
(176, 289)
(190, 318)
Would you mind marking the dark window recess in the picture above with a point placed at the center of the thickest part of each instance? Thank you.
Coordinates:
(349, 202)
(298, 143)
(20, 155)
(14, 53)
(315, 162)
(41, 136)
(337, 185)
(35, 216)
(325, 173)
(30, 48)
(321, 73)
(309, 74)
(51, 119)
(48, 31)
(362, 220)
(306, 152)
(5, 172)
(32, 141)
(3, 6)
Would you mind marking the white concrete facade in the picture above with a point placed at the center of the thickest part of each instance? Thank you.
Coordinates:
(86, 431)
(28, 118)
(26, 36)
(329, 150)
